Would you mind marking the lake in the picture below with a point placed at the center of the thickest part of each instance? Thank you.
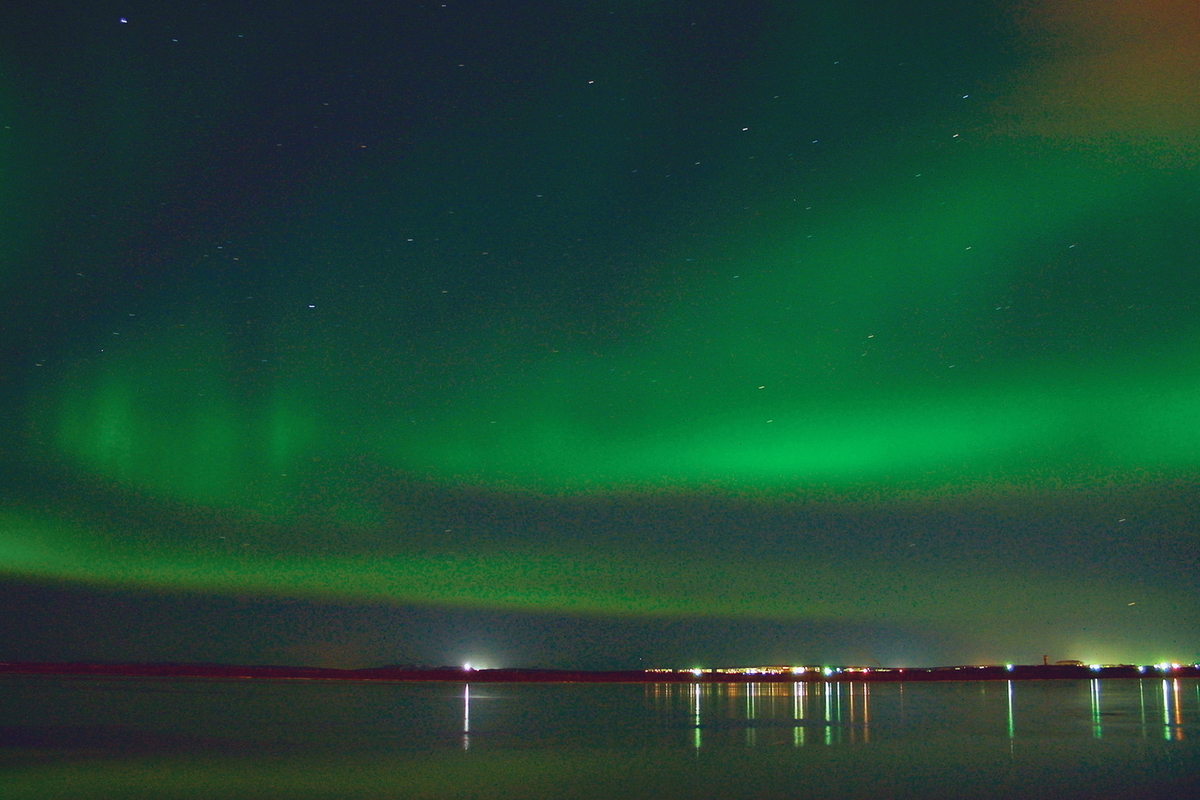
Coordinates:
(139, 738)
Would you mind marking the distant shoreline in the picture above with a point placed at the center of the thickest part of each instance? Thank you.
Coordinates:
(466, 675)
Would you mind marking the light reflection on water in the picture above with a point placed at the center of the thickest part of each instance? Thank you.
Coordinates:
(192, 739)
(827, 712)
(841, 712)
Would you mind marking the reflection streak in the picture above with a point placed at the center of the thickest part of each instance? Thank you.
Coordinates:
(763, 710)
(466, 734)
(799, 698)
(1166, 693)
(1011, 728)
(761, 714)
(1175, 693)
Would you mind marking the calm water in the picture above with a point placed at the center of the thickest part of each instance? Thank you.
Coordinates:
(200, 739)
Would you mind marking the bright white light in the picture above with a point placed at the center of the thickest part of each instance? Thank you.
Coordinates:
(696, 670)
(1008, 667)
(1094, 667)
(467, 666)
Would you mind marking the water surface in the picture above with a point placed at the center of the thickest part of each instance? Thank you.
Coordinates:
(132, 738)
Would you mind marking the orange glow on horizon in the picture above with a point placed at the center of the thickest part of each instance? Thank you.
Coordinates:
(1109, 68)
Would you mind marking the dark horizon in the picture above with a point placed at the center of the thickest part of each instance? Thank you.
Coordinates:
(531, 674)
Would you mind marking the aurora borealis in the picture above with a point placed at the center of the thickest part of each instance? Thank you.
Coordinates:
(598, 333)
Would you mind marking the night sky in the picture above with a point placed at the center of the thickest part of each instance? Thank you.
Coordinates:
(600, 334)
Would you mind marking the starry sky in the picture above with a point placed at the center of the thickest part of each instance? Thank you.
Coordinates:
(600, 334)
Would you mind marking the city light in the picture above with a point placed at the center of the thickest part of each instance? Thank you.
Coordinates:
(802, 673)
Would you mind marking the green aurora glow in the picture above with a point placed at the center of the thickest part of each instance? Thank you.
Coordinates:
(905, 346)
(847, 588)
(754, 297)
(891, 360)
